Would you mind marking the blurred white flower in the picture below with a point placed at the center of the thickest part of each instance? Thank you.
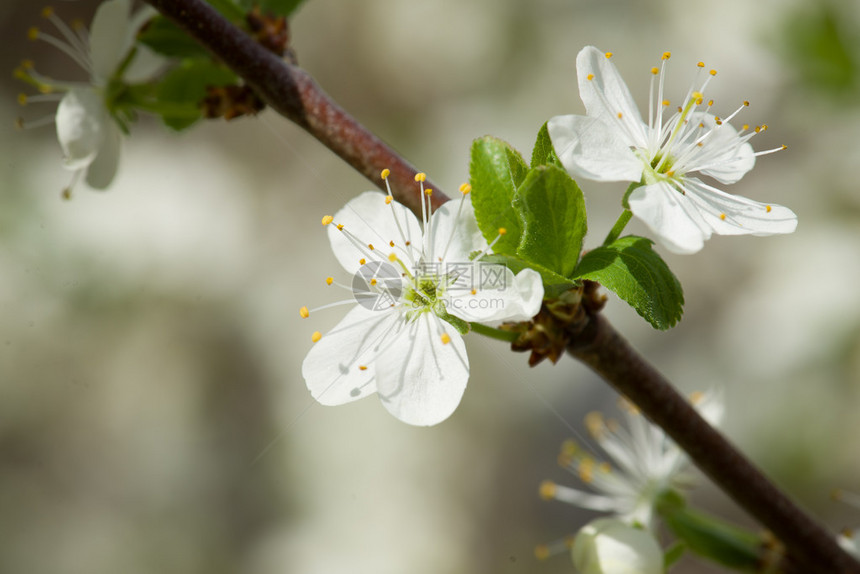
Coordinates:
(613, 143)
(610, 546)
(414, 294)
(88, 129)
(645, 463)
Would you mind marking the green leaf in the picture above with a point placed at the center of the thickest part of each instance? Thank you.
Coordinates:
(552, 208)
(277, 7)
(168, 39)
(181, 91)
(713, 538)
(629, 267)
(544, 152)
(230, 9)
(674, 553)
(496, 170)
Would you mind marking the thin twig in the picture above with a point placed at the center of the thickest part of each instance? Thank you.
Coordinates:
(291, 92)
(605, 351)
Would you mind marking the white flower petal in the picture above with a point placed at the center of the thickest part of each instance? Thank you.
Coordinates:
(146, 65)
(454, 231)
(368, 220)
(606, 96)
(332, 369)
(742, 216)
(81, 125)
(102, 170)
(671, 216)
(420, 379)
(505, 296)
(110, 37)
(608, 546)
(590, 148)
(722, 154)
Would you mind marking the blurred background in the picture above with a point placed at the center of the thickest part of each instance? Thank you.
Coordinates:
(153, 417)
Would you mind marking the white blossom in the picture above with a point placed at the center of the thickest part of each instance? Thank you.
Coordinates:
(414, 292)
(613, 143)
(87, 127)
(610, 546)
(643, 464)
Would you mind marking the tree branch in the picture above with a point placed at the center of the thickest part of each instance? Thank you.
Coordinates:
(606, 352)
(291, 92)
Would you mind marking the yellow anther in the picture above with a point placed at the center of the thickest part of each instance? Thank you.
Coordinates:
(589, 77)
(547, 490)
(619, 115)
(22, 99)
(757, 129)
(542, 552)
(465, 188)
(316, 336)
(327, 219)
(392, 257)
(388, 199)
(569, 447)
(608, 55)
(329, 280)
(723, 216)
(746, 103)
(33, 33)
(701, 64)
(569, 541)
(370, 246)
(680, 109)
(697, 397)
(698, 95)
(340, 226)
(385, 173)
(502, 231)
(474, 291)
(362, 261)
(304, 312)
(763, 127)
(362, 367)
(768, 208)
(47, 12)
(783, 146)
(391, 243)
(446, 338)
(666, 55)
(710, 103)
(420, 176)
(666, 103)
(373, 281)
(594, 423)
(745, 126)
(713, 72)
(586, 470)
(670, 173)
(655, 70)
(718, 121)
(428, 192)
